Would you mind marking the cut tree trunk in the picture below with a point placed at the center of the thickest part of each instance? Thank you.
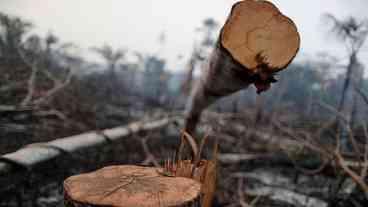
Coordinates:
(130, 186)
(256, 42)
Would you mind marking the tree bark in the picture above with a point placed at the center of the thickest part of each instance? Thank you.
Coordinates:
(256, 41)
(222, 77)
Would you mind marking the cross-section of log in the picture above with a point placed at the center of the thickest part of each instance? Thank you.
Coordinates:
(256, 41)
(130, 186)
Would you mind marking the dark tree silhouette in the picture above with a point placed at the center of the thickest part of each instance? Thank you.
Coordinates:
(12, 33)
(111, 57)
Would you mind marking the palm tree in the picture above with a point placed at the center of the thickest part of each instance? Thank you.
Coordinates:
(111, 57)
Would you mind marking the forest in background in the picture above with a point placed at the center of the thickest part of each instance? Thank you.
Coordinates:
(46, 74)
(49, 91)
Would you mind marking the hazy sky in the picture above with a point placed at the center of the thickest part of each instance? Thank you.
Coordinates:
(137, 24)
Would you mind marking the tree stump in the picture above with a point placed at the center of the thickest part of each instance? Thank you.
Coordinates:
(130, 186)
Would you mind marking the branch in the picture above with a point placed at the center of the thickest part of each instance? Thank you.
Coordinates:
(346, 122)
(11, 86)
(31, 81)
(150, 158)
(362, 94)
(242, 201)
(51, 77)
(51, 112)
(7, 108)
(356, 178)
(363, 173)
(333, 111)
(57, 87)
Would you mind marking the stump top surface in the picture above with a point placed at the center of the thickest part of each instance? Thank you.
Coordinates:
(258, 35)
(128, 185)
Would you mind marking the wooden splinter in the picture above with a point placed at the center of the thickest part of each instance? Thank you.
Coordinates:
(256, 42)
(130, 186)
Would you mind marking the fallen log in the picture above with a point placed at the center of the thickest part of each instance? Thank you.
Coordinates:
(233, 158)
(14, 166)
(256, 42)
(305, 164)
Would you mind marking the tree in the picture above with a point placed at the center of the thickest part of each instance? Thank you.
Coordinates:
(28, 61)
(111, 57)
(353, 34)
(155, 80)
(12, 31)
